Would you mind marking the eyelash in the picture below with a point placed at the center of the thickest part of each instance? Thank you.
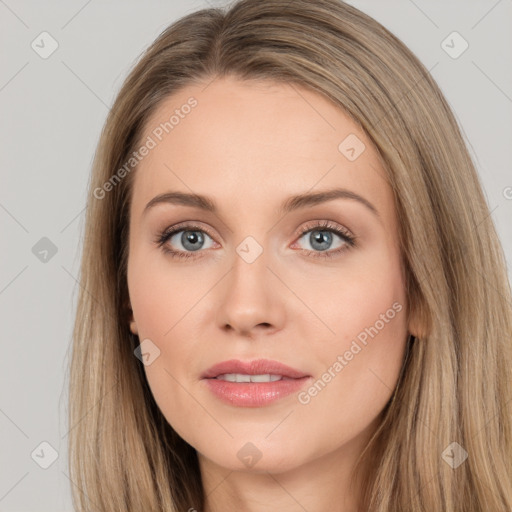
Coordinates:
(344, 234)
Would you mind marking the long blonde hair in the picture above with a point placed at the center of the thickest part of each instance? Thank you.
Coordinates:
(456, 383)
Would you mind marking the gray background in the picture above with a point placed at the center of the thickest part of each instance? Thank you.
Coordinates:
(52, 113)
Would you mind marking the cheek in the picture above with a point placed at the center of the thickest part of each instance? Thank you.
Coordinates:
(361, 362)
(364, 305)
(161, 294)
(167, 308)
(367, 292)
(357, 380)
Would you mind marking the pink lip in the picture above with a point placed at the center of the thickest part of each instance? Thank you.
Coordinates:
(255, 367)
(254, 394)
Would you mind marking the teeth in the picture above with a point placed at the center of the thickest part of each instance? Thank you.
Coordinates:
(241, 377)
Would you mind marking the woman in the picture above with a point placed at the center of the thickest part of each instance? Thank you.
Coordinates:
(293, 295)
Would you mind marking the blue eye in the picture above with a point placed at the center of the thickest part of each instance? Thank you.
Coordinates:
(192, 239)
(321, 235)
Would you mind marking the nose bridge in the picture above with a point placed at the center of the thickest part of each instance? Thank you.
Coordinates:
(249, 275)
(249, 297)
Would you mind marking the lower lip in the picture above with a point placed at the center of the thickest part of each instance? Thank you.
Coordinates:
(254, 394)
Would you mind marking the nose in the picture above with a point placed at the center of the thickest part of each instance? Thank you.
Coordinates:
(251, 298)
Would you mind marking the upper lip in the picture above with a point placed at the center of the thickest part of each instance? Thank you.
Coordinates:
(255, 367)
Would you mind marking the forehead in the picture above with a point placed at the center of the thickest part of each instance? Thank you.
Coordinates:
(234, 139)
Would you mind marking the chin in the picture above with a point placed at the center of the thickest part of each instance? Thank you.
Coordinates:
(254, 458)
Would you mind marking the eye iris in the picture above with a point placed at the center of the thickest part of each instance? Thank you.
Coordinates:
(192, 237)
(318, 236)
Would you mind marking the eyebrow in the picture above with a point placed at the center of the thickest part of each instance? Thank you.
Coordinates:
(290, 204)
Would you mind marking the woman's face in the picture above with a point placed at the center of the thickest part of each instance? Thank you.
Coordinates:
(313, 283)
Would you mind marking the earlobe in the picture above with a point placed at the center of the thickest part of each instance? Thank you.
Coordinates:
(418, 323)
(131, 319)
(133, 323)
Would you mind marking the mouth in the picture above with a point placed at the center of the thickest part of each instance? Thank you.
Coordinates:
(243, 377)
(258, 370)
(253, 384)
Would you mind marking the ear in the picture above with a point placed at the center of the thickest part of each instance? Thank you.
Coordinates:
(419, 322)
(130, 317)
(133, 325)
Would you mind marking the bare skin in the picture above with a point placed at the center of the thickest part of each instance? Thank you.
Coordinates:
(249, 146)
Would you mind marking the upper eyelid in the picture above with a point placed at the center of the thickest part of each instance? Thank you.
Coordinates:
(323, 224)
(187, 226)
(320, 224)
(312, 224)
